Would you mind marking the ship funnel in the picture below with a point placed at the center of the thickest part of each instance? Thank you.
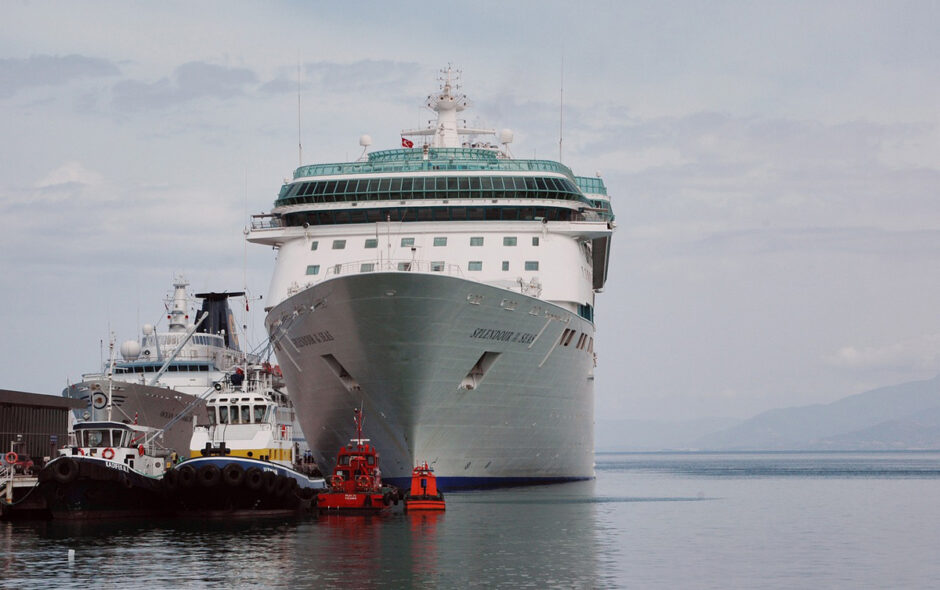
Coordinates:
(220, 319)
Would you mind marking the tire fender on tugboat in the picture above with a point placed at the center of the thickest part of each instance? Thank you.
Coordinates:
(187, 476)
(254, 479)
(171, 479)
(209, 475)
(233, 474)
(270, 481)
(65, 470)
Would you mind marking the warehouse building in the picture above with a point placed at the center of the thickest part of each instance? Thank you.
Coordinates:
(34, 424)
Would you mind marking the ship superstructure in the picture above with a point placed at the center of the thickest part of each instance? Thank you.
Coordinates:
(450, 289)
(159, 375)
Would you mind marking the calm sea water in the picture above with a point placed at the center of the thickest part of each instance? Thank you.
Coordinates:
(805, 520)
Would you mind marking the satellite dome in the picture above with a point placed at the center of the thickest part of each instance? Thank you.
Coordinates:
(147, 329)
(505, 136)
(130, 350)
(365, 140)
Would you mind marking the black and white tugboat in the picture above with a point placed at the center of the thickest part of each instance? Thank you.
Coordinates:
(244, 461)
(112, 470)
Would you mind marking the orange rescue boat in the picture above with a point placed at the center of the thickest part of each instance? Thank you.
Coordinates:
(356, 484)
(423, 494)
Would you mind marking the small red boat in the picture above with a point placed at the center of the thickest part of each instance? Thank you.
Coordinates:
(356, 484)
(423, 494)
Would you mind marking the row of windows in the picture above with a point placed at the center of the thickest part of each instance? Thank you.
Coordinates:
(408, 242)
(247, 414)
(440, 187)
(155, 368)
(436, 266)
(443, 213)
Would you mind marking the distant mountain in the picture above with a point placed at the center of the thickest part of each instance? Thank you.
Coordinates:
(655, 435)
(905, 416)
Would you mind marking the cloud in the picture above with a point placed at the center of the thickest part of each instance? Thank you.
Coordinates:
(190, 81)
(70, 173)
(360, 76)
(50, 70)
(918, 353)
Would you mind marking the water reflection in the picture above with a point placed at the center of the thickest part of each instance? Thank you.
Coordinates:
(541, 537)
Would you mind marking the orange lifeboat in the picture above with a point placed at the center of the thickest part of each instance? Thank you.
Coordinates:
(423, 494)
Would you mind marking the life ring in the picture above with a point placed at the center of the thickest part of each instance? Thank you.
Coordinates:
(108, 453)
(81, 451)
(140, 450)
(336, 480)
(11, 457)
(363, 481)
(65, 470)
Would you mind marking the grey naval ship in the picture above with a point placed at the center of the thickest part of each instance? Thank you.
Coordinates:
(448, 289)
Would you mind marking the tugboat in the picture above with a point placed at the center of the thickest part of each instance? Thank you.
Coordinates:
(112, 470)
(356, 484)
(243, 460)
(423, 494)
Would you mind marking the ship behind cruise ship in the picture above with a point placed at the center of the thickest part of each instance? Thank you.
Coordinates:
(161, 377)
(448, 289)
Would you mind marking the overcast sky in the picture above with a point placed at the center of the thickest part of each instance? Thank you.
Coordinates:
(774, 169)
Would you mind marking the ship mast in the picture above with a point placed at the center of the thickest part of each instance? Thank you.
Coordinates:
(445, 133)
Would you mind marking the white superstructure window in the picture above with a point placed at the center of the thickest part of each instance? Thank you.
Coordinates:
(404, 266)
(437, 266)
(314, 244)
(476, 241)
(535, 241)
(407, 242)
(475, 264)
(313, 269)
(505, 265)
(509, 241)
(366, 267)
(339, 244)
(372, 243)
(531, 264)
(440, 241)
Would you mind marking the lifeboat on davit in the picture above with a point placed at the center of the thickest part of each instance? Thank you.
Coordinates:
(356, 484)
(423, 494)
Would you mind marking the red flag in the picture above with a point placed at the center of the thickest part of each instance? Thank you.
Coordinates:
(407, 143)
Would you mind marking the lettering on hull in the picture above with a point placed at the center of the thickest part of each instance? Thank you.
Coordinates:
(503, 335)
(309, 339)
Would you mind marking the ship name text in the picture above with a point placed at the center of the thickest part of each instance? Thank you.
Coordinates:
(316, 338)
(503, 335)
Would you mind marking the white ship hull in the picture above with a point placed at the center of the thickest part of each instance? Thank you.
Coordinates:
(404, 346)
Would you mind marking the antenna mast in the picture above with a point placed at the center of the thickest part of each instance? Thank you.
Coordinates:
(561, 109)
(300, 147)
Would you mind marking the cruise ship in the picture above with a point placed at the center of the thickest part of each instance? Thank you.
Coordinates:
(164, 377)
(448, 290)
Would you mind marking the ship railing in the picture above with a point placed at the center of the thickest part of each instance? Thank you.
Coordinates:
(265, 221)
(370, 266)
(394, 265)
